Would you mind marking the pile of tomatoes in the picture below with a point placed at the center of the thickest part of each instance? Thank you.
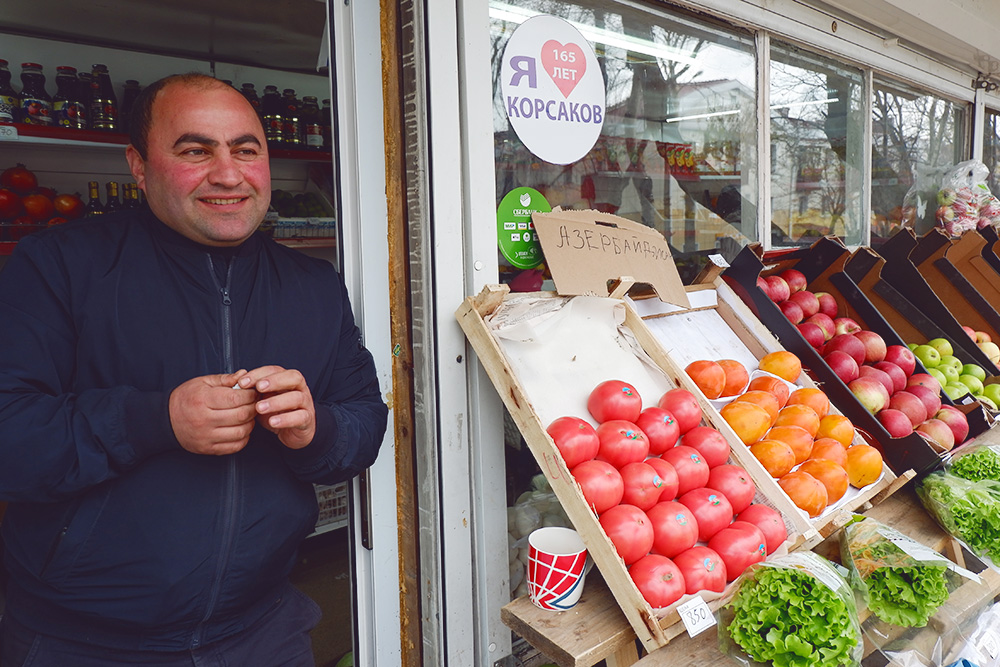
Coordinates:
(664, 492)
(25, 207)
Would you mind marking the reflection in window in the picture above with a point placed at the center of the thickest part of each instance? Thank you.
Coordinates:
(915, 138)
(991, 149)
(817, 130)
(677, 150)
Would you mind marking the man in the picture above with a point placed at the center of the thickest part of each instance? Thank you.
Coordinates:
(171, 385)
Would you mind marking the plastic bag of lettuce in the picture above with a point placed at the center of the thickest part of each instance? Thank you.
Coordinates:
(976, 462)
(968, 510)
(901, 581)
(792, 611)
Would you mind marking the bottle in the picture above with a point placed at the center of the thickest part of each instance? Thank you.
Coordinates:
(103, 102)
(36, 105)
(131, 196)
(113, 203)
(10, 101)
(94, 203)
(291, 116)
(312, 124)
(84, 80)
(326, 117)
(130, 92)
(67, 107)
(250, 93)
(270, 107)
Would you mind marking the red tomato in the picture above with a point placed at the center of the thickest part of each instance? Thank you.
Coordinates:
(711, 508)
(622, 442)
(10, 204)
(735, 484)
(703, 570)
(643, 485)
(739, 547)
(770, 523)
(614, 399)
(19, 179)
(692, 471)
(575, 439)
(629, 530)
(660, 427)
(601, 484)
(658, 579)
(712, 445)
(683, 405)
(668, 476)
(674, 528)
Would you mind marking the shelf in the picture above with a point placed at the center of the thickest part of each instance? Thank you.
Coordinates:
(7, 247)
(69, 137)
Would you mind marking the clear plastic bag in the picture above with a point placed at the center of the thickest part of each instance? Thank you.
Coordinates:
(964, 199)
(976, 462)
(795, 609)
(968, 511)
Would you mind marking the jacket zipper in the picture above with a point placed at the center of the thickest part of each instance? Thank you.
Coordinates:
(229, 509)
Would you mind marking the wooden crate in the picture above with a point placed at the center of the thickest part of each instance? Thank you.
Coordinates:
(653, 627)
(736, 333)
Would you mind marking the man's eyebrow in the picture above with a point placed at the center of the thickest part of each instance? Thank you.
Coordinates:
(194, 138)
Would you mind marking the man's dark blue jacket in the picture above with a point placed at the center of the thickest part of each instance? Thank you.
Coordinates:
(115, 535)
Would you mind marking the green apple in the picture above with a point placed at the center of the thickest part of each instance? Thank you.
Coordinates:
(939, 376)
(950, 373)
(927, 355)
(951, 360)
(992, 392)
(912, 346)
(974, 384)
(955, 391)
(942, 345)
(988, 402)
(974, 369)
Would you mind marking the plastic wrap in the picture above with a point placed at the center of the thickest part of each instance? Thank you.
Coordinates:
(792, 610)
(967, 510)
(533, 509)
(965, 201)
(976, 462)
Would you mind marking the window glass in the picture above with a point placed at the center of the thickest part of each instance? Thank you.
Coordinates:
(817, 154)
(991, 149)
(677, 150)
(915, 138)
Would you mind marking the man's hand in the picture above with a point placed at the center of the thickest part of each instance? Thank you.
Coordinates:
(209, 416)
(285, 406)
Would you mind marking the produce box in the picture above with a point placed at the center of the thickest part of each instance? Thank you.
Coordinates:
(822, 264)
(720, 326)
(992, 247)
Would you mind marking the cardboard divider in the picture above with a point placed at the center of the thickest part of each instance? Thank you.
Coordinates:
(991, 251)
(822, 264)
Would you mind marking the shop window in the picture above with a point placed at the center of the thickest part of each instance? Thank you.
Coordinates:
(817, 165)
(991, 149)
(677, 151)
(916, 137)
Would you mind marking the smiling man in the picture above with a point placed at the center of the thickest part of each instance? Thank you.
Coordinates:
(158, 490)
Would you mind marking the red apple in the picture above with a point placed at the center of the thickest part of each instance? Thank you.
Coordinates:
(928, 397)
(971, 332)
(846, 325)
(909, 405)
(867, 371)
(895, 422)
(813, 334)
(807, 301)
(956, 421)
(846, 343)
(894, 372)
(939, 432)
(796, 280)
(777, 289)
(870, 393)
(924, 380)
(825, 323)
(827, 304)
(791, 310)
(843, 365)
(902, 357)
(874, 346)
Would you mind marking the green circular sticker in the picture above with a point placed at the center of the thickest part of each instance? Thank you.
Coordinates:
(515, 231)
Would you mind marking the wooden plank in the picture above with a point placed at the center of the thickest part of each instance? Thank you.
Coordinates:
(593, 630)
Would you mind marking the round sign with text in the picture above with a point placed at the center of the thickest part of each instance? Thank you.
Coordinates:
(516, 233)
(553, 90)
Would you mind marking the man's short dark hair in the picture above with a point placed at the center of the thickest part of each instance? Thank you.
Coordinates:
(141, 115)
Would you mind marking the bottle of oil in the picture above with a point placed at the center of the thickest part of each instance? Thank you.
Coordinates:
(94, 203)
(10, 101)
(103, 101)
(36, 105)
(113, 203)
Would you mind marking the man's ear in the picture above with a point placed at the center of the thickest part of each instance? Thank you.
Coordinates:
(136, 165)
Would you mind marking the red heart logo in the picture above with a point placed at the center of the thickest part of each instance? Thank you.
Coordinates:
(564, 63)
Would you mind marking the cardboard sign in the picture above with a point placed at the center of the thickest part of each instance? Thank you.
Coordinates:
(586, 249)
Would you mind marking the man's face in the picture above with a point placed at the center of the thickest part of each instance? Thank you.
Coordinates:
(206, 174)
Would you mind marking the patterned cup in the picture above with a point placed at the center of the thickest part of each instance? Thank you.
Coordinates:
(557, 566)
